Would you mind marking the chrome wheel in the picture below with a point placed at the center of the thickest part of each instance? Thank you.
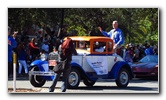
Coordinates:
(124, 78)
(74, 78)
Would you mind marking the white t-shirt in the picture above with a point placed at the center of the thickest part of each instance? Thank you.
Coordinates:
(101, 49)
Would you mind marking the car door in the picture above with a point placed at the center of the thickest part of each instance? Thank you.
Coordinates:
(97, 61)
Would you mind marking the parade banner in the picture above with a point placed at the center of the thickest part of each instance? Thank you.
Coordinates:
(98, 63)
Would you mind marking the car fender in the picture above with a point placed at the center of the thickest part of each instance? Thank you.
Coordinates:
(36, 62)
(77, 66)
(81, 71)
(113, 74)
(42, 65)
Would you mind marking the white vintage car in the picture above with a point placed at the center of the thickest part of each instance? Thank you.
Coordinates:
(95, 60)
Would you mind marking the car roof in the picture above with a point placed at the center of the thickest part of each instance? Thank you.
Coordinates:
(88, 38)
(92, 39)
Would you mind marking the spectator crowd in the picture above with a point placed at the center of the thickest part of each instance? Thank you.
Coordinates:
(133, 53)
(29, 48)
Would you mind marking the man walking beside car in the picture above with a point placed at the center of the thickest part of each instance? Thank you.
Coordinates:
(115, 34)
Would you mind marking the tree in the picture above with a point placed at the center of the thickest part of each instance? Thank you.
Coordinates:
(137, 24)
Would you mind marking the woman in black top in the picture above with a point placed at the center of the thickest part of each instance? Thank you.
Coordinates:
(66, 49)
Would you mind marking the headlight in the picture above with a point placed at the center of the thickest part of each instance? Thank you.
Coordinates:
(43, 57)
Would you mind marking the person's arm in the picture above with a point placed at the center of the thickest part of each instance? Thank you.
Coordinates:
(146, 52)
(34, 47)
(107, 34)
(13, 43)
(74, 51)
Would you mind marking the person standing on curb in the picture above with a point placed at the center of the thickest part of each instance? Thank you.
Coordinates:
(11, 45)
(22, 55)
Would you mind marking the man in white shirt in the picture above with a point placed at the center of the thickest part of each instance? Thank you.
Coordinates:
(98, 47)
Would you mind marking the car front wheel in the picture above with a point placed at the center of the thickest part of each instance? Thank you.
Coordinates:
(35, 80)
(123, 78)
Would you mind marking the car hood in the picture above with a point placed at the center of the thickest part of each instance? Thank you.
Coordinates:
(82, 51)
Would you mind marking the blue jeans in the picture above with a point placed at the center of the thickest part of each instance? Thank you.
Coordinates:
(65, 76)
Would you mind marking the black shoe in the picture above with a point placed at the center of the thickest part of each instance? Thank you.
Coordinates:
(51, 90)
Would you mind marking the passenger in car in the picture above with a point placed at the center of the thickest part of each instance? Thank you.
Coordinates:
(82, 45)
(110, 47)
(98, 47)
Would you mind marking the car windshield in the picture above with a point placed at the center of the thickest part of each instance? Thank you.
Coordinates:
(150, 58)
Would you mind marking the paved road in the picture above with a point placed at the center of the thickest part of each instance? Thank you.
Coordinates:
(108, 86)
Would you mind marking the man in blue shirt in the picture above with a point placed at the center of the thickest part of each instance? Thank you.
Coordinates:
(148, 50)
(115, 34)
(11, 44)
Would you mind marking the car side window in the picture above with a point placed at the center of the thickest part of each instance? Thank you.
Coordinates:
(99, 46)
(110, 47)
(83, 45)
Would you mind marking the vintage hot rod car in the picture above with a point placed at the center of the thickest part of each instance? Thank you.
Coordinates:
(95, 60)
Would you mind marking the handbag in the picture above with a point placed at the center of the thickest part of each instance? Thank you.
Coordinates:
(60, 66)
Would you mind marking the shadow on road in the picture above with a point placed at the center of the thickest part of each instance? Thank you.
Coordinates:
(116, 88)
(100, 88)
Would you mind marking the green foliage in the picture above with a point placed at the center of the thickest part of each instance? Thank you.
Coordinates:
(80, 31)
(137, 24)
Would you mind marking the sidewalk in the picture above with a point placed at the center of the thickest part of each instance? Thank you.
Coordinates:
(34, 90)
(19, 77)
(28, 89)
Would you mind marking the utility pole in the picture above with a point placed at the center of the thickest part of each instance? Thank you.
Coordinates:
(61, 24)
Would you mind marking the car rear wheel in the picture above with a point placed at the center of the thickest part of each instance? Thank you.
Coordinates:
(35, 80)
(73, 79)
(123, 78)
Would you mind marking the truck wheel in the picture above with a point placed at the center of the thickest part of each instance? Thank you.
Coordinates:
(73, 79)
(123, 78)
(88, 83)
(35, 80)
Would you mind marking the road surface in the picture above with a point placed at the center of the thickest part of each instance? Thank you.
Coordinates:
(101, 86)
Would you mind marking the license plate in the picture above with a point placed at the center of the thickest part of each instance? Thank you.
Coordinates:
(52, 63)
